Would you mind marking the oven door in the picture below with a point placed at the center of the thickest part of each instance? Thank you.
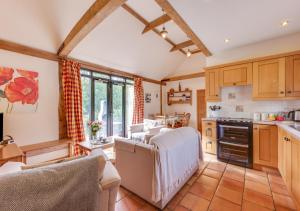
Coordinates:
(233, 144)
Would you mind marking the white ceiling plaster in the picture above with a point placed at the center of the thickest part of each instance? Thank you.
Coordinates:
(242, 21)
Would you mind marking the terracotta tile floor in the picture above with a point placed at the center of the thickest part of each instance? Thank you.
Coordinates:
(220, 186)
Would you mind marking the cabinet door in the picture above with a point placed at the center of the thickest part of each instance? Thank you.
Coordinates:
(269, 79)
(209, 129)
(292, 76)
(209, 145)
(287, 150)
(265, 145)
(236, 75)
(295, 168)
(281, 158)
(212, 85)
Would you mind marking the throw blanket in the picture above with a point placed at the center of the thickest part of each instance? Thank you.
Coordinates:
(72, 185)
(177, 154)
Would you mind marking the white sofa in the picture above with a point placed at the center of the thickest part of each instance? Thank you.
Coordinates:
(144, 131)
(139, 164)
(107, 186)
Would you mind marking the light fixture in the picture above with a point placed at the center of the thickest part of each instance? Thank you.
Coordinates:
(164, 32)
(226, 40)
(284, 23)
(188, 53)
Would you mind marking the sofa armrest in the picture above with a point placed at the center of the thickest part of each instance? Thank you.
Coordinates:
(136, 128)
(111, 177)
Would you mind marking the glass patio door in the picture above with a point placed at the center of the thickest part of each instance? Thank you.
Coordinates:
(101, 104)
(118, 109)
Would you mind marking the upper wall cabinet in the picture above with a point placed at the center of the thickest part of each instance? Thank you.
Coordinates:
(212, 90)
(269, 79)
(236, 75)
(292, 76)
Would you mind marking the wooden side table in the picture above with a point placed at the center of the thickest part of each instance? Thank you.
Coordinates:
(85, 147)
(11, 152)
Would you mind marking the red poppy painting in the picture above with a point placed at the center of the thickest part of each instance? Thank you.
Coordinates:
(18, 88)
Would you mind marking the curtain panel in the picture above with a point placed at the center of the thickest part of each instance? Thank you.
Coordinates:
(138, 109)
(72, 97)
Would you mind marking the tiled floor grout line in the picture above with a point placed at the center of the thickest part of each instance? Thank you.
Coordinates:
(245, 171)
(269, 182)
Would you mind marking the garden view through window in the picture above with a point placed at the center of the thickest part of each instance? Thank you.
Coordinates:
(108, 99)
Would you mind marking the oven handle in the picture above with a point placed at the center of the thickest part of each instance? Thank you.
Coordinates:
(237, 145)
(237, 127)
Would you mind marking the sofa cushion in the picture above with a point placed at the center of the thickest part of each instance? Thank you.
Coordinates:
(10, 167)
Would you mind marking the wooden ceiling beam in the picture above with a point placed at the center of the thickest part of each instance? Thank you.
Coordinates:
(196, 51)
(157, 22)
(169, 10)
(182, 45)
(100, 10)
(145, 22)
(26, 50)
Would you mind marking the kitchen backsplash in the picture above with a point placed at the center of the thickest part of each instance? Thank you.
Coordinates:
(237, 103)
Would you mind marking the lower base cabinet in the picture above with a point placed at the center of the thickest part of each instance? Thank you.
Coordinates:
(209, 145)
(289, 161)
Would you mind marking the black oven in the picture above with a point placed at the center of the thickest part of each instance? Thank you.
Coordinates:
(234, 142)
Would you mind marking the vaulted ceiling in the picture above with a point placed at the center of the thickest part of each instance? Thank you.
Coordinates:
(118, 41)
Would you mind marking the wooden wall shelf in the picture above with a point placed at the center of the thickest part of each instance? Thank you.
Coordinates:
(180, 97)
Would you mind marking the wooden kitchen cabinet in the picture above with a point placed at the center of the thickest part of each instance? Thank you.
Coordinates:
(236, 75)
(289, 161)
(265, 145)
(292, 76)
(212, 86)
(209, 136)
(269, 79)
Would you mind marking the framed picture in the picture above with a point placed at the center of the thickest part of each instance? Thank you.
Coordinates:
(148, 97)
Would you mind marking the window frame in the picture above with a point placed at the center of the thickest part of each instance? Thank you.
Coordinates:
(110, 82)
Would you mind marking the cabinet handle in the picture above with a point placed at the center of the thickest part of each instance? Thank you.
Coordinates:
(282, 92)
(289, 92)
(216, 95)
(234, 84)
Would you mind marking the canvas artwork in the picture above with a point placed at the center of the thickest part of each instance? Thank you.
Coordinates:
(19, 91)
(148, 97)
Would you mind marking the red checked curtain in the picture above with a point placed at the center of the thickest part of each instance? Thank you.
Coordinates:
(72, 94)
(138, 109)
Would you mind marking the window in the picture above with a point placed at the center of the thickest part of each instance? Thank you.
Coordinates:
(108, 99)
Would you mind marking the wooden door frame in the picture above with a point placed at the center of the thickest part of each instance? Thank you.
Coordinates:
(197, 107)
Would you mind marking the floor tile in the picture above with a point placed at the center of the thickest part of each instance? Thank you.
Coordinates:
(219, 204)
(128, 204)
(236, 168)
(234, 175)
(206, 180)
(283, 201)
(201, 190)
(259, 173)
(148, 207)
(276, 179)
(193, 202)
(181, 208)
(175, 201)
(281, 189)
(230, 195)
(184, 190)
(232, 184)
(259, 198)
(257, 178)
(255, 186)
(192, 180)
(212, 173)
(249, 206)
(217, 166)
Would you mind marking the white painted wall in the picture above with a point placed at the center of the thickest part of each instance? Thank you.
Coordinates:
(244, 98)
(193, 84)
(29, 127)
(265, 48)
(154, 106)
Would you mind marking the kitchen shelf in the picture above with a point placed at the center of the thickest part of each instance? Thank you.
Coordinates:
(180, 97)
